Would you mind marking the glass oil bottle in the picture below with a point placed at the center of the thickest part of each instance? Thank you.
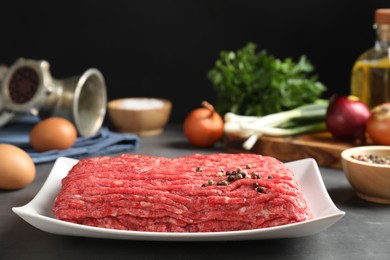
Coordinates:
(370, 80)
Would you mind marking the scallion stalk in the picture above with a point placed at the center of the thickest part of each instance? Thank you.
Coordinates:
(303, 119)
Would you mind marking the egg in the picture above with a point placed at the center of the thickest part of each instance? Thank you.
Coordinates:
(17, 169)
(53, 133)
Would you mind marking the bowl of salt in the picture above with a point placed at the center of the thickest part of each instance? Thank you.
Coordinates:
(145, 116)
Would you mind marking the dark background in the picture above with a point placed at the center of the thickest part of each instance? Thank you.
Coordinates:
(165, 48)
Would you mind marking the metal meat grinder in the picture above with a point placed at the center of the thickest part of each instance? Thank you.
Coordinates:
(27, 87)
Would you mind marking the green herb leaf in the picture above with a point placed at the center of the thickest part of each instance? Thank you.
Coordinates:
(256, 83)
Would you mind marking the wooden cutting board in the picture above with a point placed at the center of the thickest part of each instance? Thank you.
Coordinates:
(320, 146)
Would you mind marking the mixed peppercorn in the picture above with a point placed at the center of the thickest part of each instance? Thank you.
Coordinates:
(231, 176)
(372, 158)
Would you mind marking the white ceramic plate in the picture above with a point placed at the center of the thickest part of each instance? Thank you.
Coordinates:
(39, 214)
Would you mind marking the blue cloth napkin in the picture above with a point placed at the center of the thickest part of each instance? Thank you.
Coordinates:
(104, 142)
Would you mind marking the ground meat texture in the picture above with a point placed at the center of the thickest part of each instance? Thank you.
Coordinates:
(184, 194)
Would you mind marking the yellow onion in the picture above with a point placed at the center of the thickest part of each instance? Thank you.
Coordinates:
(203, 126)
(378, 125)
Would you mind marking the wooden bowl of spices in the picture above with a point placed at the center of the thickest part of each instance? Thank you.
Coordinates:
(145, 116)
(367, 169)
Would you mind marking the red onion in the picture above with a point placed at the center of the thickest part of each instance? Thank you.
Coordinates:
(346, 117)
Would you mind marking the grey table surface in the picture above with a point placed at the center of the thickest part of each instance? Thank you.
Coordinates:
(363, 233)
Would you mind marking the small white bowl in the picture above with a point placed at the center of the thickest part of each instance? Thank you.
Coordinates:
(371, 181)
(145, 116)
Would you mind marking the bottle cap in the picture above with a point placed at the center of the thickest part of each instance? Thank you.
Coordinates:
(382, 16)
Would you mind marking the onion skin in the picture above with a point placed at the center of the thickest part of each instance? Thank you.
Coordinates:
(378, 125)
(346, 118)
(203, 126)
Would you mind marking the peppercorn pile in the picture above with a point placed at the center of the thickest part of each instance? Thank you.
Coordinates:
(236, 175)
(197, 193)
(372, 158)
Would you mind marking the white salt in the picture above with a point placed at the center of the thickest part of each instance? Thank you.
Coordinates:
(141, 103)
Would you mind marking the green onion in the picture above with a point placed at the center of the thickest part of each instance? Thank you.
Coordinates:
(304, 119)
(274, 131)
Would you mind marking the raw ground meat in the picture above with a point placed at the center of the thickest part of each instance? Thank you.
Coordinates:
(184, 194)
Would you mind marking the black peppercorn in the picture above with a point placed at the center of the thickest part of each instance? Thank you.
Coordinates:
(260, 189)
(231, 178)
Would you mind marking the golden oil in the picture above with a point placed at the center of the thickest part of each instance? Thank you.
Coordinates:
(370, 80)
